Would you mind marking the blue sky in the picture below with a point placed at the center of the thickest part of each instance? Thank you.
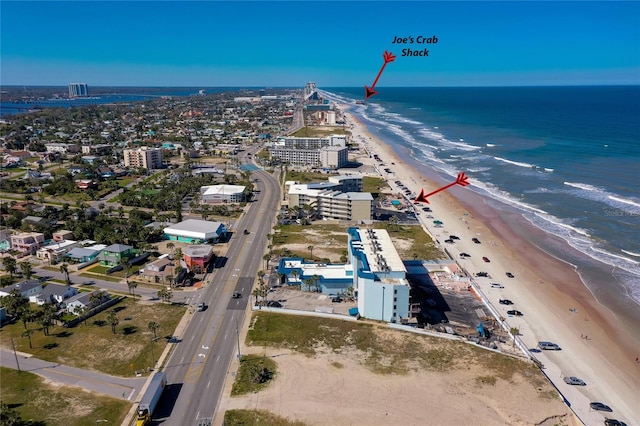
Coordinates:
(273, 43)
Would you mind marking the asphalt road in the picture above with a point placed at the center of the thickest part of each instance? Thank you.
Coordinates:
(117, 387)
(197, 368)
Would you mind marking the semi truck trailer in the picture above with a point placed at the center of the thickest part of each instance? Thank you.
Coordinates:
(149, 401)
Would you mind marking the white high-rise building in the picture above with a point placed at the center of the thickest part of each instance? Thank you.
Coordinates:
(78, 90)
(145, 157)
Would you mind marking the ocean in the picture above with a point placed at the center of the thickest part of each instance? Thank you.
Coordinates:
(566, 158)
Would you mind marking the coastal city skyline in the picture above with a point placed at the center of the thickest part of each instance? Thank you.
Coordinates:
(286, 44)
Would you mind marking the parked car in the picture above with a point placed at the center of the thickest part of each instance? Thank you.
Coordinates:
(453, 237)
(599, 406)
(614, 422)
(236, 295)
(514, 313)
(486, 259)
(572, 380)
(548, 346)
(482, 274)
(496, 285)
(475, 240)
(201, 306)
(505, 302)
(449, 241)
(465, 255)
(510, 275)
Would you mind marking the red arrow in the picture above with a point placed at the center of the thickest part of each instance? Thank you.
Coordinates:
(368, 91)
(460, 180)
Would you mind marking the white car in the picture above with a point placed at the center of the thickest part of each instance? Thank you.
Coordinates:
(496, 285)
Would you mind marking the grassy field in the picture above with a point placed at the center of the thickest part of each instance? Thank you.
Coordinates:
(32, 398)
(256, 418)
(305, 177)
(418, 244)
(373, 185)
(320, 132)
(412, 241)
(254, 373)
(94, 346)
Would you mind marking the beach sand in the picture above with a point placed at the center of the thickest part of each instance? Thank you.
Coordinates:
(556, 306)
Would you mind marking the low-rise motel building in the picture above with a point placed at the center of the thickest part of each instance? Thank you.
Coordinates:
(195, 231)
(375, 275)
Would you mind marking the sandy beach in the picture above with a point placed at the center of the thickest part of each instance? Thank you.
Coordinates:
(597, 346)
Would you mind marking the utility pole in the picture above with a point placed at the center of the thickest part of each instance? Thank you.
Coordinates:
(15, 354)
(238, 338)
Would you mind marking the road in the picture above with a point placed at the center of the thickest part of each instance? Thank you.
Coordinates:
(197, 368)
(117, 387)
(298, 119)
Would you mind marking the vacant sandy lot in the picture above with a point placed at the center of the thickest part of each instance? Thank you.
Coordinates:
(339, 388)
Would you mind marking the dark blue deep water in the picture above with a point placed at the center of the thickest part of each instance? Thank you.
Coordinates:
(567, 157)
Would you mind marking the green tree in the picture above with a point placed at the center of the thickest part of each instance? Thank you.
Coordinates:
(25, 314)
(46, 317)
(295, 275)
(154, 326)
(9, 264)
(14, 302)
(28, 333)
(113, 321)
(27, 269)
(171, 246)
(126, 265)
(81, 312)
(514, 331)
(308, 283)
(165, 294)
(310, 248)
(132, 288)
(64, 268)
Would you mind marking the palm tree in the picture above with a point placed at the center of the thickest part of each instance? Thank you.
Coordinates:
(308, 283)
(310, 248)
(154, 326)
(113, 321)
(9, 264)
(28, 333)
(27, 268)
(132, 288)
(46, 318)
(295, 274)
(514, 331)
(165, 294)
(64, 268)
(126, 265)
(170, 246)
(81, 311)
(316, 282)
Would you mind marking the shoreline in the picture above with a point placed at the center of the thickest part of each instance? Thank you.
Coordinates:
(553, 289)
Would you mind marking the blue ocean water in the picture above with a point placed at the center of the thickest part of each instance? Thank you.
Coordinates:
(567, 158)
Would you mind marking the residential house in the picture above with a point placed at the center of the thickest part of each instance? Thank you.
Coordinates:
(27, 242)
(62, 235)
(158, 270)
(27, 288)
(85, 184)
(55, 294)
(84, 300)
(85, 254)
(113, 254)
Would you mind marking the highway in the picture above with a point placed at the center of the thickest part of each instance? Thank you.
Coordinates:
(197, 367)
(298, 118)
